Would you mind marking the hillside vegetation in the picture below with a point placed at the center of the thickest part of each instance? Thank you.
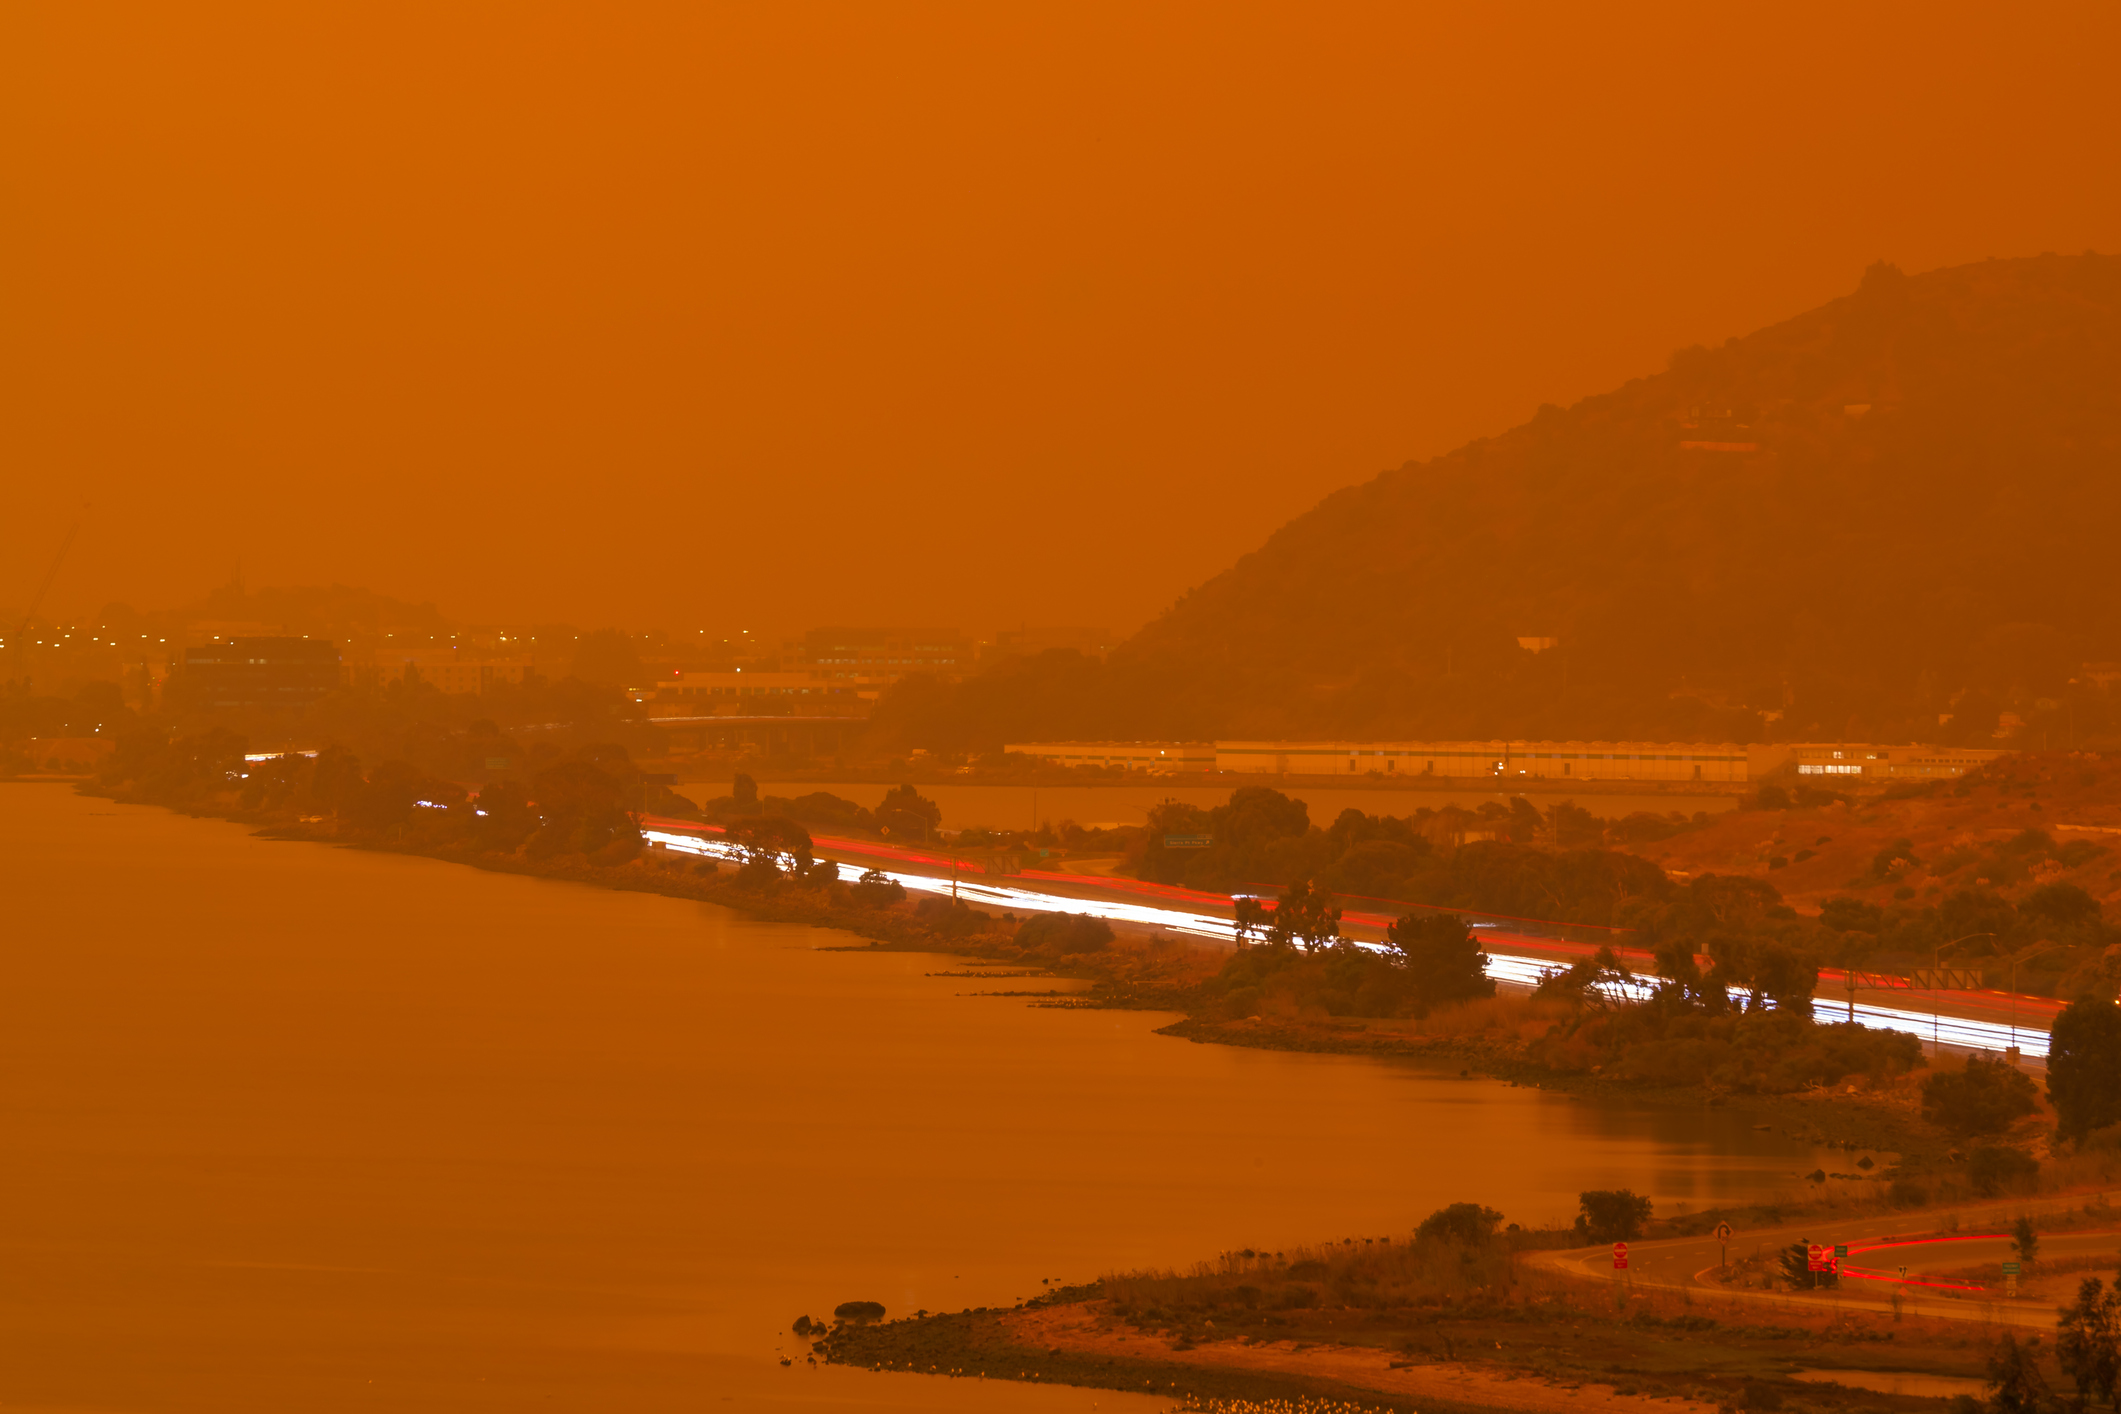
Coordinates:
(1895, 510)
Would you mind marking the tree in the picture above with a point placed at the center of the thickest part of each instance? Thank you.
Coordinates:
(2062, 905)
(769, 839)
(907, 813)
(1991, 1168)
(580, 808)
(1467, 1223)
(1303, 914)
(1443, 960)
(1611, 1215)
(1251, 919)
(2084, 1067)
(2024, 1241)
(1985, 1098)
(1595, 981)
(2014, 1380)
(2088, 1341)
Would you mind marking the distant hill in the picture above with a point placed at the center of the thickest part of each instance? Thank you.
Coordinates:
(1901, 505)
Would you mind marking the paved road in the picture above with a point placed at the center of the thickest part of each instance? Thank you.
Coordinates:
(1690, 1263)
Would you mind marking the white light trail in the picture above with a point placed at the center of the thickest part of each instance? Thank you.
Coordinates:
(1199, 925)
(1509, 968)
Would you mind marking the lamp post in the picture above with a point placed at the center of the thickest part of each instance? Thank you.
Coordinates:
(2034, 951)
(1936, 1025)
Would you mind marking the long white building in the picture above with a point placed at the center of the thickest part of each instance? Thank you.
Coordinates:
(1574, 760)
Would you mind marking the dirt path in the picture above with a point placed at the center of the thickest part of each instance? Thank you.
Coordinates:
(1078, 1329)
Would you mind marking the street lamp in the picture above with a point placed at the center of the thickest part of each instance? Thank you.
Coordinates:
(1936, 1025)
(2034, 951)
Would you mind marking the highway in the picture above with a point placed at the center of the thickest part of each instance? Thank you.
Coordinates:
(1960, 1020)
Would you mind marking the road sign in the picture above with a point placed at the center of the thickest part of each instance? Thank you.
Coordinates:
(1841, 1252)
(1723, 1232)
(1903, 1274)
(2010, 1285)
(1815, 1258)
(2011, 1269)
(1187, 841)
(1723, 1243)
(1620, 1256)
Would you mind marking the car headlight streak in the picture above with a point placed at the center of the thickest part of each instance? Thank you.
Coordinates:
(1508, 968)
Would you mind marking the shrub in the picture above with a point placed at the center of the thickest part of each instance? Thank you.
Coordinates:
(1898, 855)
(1984, 1098)
(953, 918)
(1906, 1193)
(758, 874)
(1466, 1223)
(1994, 1168)
(1797, 1267)
(875, 889)
(1063, 934)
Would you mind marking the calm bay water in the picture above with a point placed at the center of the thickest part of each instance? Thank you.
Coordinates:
(285, 1126)
(1016, 807)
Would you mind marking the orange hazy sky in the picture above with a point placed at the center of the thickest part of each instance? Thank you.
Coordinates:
(700, 316)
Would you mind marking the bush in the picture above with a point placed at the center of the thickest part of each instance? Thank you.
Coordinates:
(1797, 1267)
(1467, 1223)
(1906, 1193)
(1611, 1215)
(1063, 934)
(759, 874)
(1900, 854)
(1996, 1168)
(1985, 1098)
(953, 918)
(875, 889)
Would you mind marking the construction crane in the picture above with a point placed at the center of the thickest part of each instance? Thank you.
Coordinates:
(22, 629)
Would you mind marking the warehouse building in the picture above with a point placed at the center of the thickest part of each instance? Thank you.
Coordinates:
(1161, 757)
(1867, 760)
(1572, 760)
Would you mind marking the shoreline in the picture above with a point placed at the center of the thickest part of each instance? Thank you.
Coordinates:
(1509, 1339)
(1136, 980)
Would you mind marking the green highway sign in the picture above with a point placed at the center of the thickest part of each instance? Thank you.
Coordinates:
(1841, 1249)
(2010, 1269)
(1187, 841)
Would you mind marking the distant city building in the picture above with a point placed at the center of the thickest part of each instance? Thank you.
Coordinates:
(1030, 642)
(1537, 644)
(1162, 757)
(1865, 759)
(1573, 760)
(741, 692)
(448, 670)
(870, 659)
(1594, 760)
(262, 672)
